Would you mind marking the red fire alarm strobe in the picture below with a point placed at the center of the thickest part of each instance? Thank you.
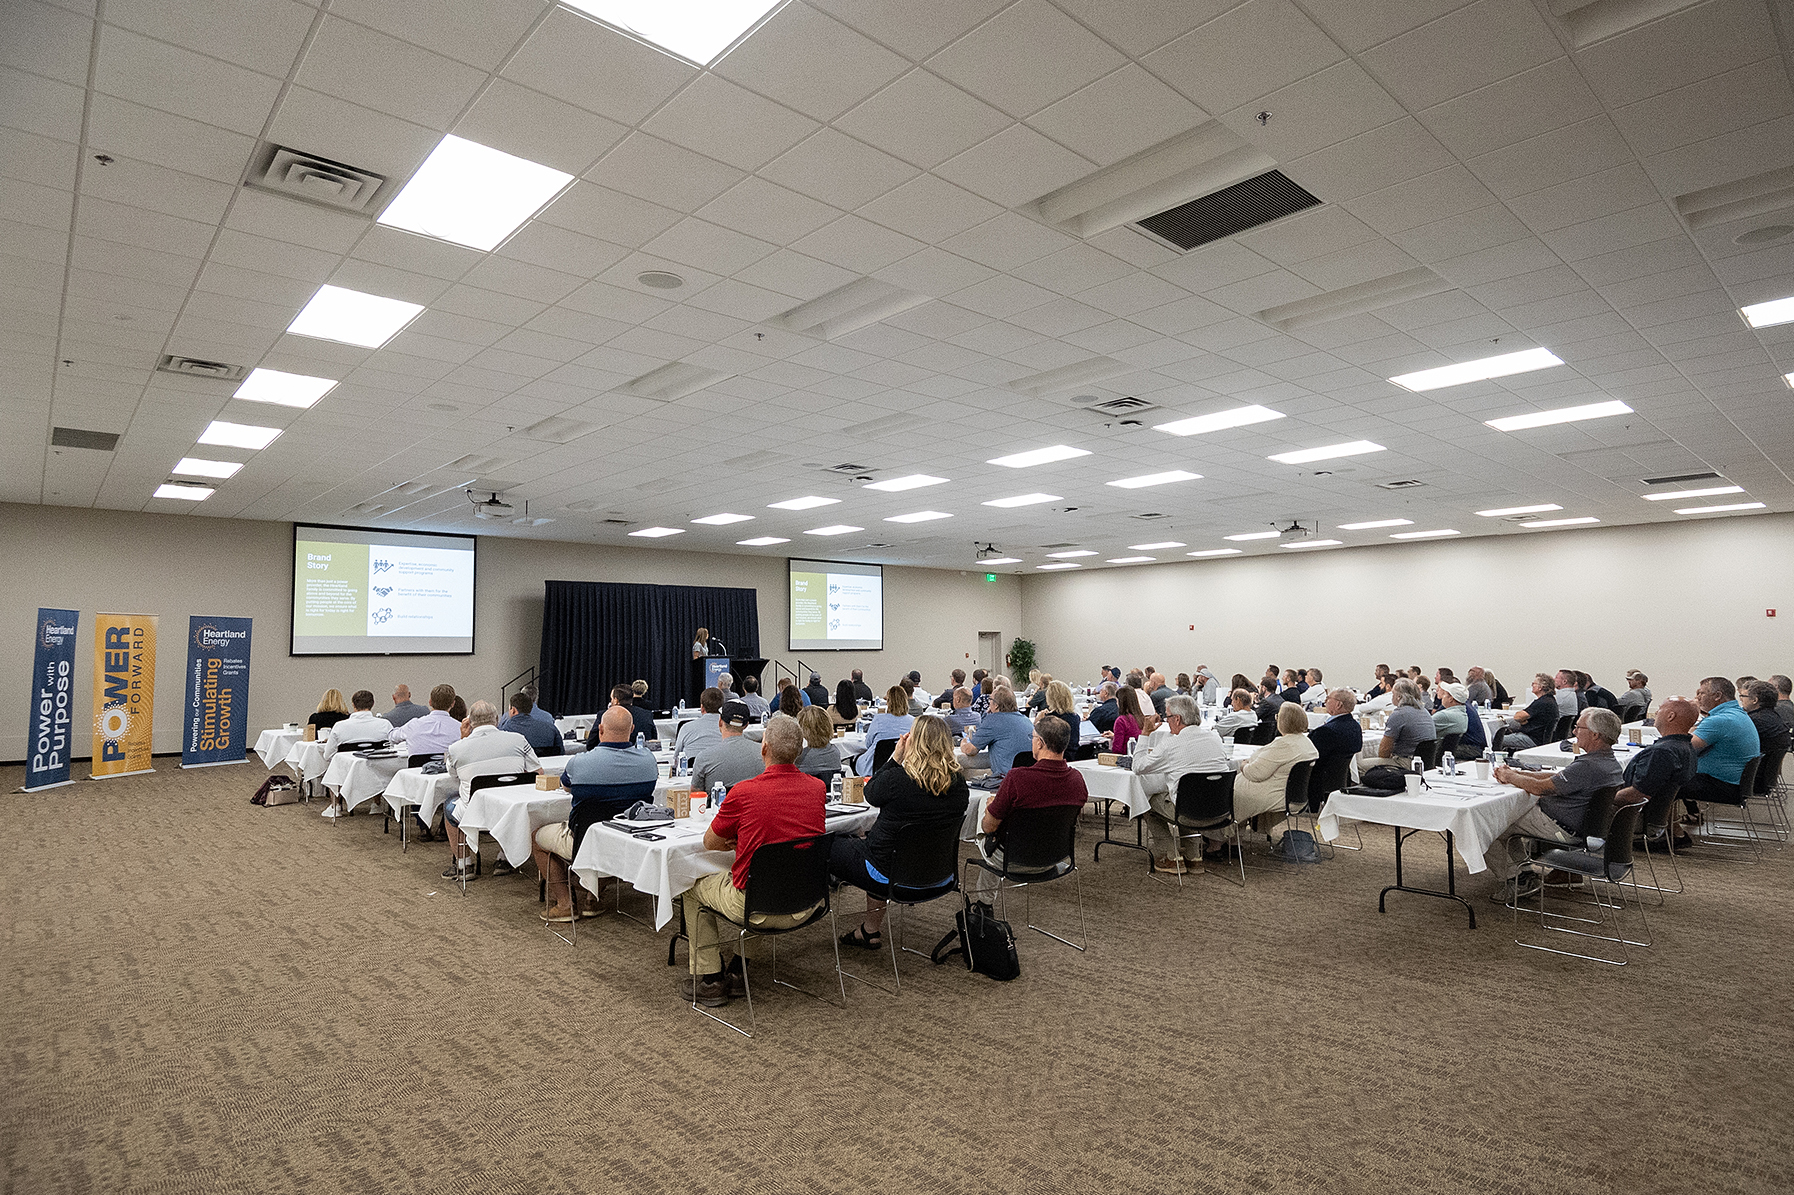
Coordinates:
(1769, 613)
(1193, 625)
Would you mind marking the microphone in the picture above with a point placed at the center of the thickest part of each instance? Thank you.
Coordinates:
(718, 647)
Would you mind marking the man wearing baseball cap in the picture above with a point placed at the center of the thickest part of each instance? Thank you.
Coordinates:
(1451, 717)
(733, 759)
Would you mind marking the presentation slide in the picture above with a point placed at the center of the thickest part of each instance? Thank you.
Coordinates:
(381, 593)
(836, 607)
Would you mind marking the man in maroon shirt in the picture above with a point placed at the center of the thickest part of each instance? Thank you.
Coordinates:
(778, 805)
(1050, 781)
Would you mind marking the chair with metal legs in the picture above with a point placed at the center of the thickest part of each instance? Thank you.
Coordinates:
(1295, 800)
(1331, 773)
(1039, 845)
(1611, 869)
(1205, 802)
(471, 860)
(1743, 832)
(1659, 818)
(1764, 792)
(923, 854)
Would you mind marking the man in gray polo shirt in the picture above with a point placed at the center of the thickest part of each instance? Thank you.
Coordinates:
(1563, 802)
(731, 758)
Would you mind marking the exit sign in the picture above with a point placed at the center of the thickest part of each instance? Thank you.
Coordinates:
(990, 576)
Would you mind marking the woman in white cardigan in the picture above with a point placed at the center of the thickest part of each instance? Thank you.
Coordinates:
(1259, 787)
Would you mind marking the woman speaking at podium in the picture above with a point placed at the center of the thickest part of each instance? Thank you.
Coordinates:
(701, 648)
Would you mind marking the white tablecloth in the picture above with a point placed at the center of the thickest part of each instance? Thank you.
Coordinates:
(575, 724)
(1553, 756)
(306, 760)
(356, 778)
(512, 814)
(1474, 811)
(665, 869)
(429, 793)
(273, 745)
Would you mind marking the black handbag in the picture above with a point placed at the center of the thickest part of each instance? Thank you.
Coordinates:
(1381, 780)
(991, 942)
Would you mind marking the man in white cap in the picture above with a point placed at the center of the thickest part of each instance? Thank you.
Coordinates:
(1451, 717)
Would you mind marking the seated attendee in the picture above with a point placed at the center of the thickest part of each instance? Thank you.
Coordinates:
(541, 735)
(1049, 783)
(1340, 734)
(1599, 695)
(1563, 802)
(1059, 705)
(962, 718)
(944, 699)
(1426, 693)
(638, 695)
(733, 757)
(1130, 721)
(486, 751)
(1407, 726)
(1382, 685)
(979, 676)
(1569, 698)
(1182, 684)
(912, 698)
(815, 693)
(1637, 697)
(725, 684)
(403, 708)
(1161, 761)
(1258, 791)
(861, 690)
(1784, 698)
(333, 707)
(695, 734)
(1038, 691)
(845, 711)
(1104, 712)
(436, 731)
(1502, 698)
(1476, 689)
(1206, 687)
(920, 785)
(1315, 695)
(1534, 725)
(1270, 698)
(1451, 717)
(603, 782)
(892, 722)
(791, 700)
(917, 691)
(623, 697)
(1158, 692)
(1758, 700)
(1292, 686)
(534, 693)
(750, 697)
(820, 757)
(458, 710)
(363, 725)
(1655, 774)
(1239, 715)
(999, 737)
(776, 806)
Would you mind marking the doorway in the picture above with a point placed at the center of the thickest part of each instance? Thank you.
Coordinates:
(990, 651)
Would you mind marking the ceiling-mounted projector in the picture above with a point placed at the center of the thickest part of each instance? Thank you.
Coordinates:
(489, 507)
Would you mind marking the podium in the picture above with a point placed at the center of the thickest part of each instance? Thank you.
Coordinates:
(704, 672)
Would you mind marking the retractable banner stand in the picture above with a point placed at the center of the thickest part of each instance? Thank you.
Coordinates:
(124, 693)
(217, 692)
(52, 723)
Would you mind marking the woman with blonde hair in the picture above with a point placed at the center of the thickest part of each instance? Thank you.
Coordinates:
(1059, 705)
(333, 707)
(820, 757)
(1260, 785)
(920, 784)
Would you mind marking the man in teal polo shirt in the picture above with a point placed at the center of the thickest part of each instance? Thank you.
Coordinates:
(1725, 739)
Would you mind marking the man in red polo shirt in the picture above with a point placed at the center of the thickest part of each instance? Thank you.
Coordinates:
(778, 805)
(1050, 781)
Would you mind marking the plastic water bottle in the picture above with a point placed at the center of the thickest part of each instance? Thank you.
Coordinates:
(834, 788)
(682, 705)
(717, 793)
(1448, 763)
(679, 765)
(641, 740)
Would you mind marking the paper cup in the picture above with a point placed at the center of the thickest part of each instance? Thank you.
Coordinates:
(1413, 782)
(1479, 769)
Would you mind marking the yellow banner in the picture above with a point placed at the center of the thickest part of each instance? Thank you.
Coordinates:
(124, 692)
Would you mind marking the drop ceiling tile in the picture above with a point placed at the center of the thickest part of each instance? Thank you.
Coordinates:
(137, 226)
(1349, 267)
(915, 28)
(1117, 116)
(1246, 53)
(834, 168)
(43, 207)
(708, 246)
(528, 124)
(1132, 294)
(623, 219)
(1014, 167)
(1534, 101)
(1501, 261)
(811, 62)
(32, 158)
(1327, 107)
(1605, 193)
(1679, 49)
(1138, 26)
(596, 68)
(1723, 157)
(478, 34)
(1003, 297)
(1466, 233)
(1073, 269)
(45, 40)
(264, 37)
(337, 129)
(1622, 230)
(1210, 266)
(929, 209)
(370, 68)
(163, 76)
(1552, 158)
(663, 173)
(556, 248)
(922, 119)
(171, 192)
(856, 244)
(933, 272)
(1370, 161)
(1462, 50)
(804, 277)
(1008, 241)
(729, 123)
(1422, 200)
(251, 252)
(1360, 24)
(36, 105)
(1313, 233)
(1026, 57)
(1721, 104)
(1625, 264)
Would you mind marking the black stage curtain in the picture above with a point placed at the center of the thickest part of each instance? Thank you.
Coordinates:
(596, 634)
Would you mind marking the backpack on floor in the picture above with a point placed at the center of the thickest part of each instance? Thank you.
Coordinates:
(986, 942)
(276, 790)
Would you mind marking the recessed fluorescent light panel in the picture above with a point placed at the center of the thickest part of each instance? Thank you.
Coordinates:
(696, 30)
(1421, 534)
(1068, 555)
(723, 520)
(1039, 456)
(351, 317)
(1313, 543)
(809, 503)
(1219, 421)
(1596, 410)
(1159, 547)
(1537, 525)
(920, 516)
(472, 195)
(283, 389)
(237, 435)
(1374, 524)
(1503, 366)
(1253, 535)
(1215, 552)
(833, 529)
(1146, 479)
(1022, 500)
(897, 485)
(1304, 455)
(1713, 510)
(657, 532)
(1707, 493)
(1503, 512)
(1061, 564)
(1001, 560)
(193, 466)
(187, 493)
(1131, 559)
(1768, 315)
(762, 541)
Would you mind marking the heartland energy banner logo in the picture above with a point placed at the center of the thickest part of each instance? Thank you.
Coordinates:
(124, 693)
(52, 722)
(217, 692)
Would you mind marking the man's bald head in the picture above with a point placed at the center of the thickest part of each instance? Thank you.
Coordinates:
(401, 694)
(617, 725)
(1676, 716)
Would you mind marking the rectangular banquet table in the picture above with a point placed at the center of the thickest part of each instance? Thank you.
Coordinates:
(428, 793)
(357, 778)
(273, 745)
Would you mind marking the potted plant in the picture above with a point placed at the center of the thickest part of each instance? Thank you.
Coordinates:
(1021, 659)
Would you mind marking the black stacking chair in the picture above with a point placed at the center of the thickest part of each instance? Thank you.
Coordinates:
(1039, 845)
(881, 752)
(1023, 759)
(1607, 870)
(1243, 737)
(1566, 726)
(496, 780)
(1744, 831)
(925, 867)
(1205, 802)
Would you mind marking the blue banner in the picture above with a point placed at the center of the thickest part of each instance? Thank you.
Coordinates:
(52, 723)
(714, 667)
(217, 681)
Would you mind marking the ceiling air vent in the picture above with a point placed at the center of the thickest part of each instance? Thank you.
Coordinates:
(1410, 484)
(616, 522)
(74, 437)
(1055, 547)
(1124, 406)
(674, 381)
(1681, 477)
(558, 430)
(193, 367)
(851, 470)
(316, 180)
(1151, 514)
(1270, 196)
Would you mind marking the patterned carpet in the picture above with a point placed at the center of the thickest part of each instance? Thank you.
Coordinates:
(206, 996)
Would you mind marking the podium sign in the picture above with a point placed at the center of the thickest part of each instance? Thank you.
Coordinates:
(714, 667)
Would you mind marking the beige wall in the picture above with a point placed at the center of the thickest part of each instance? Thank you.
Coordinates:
(175, 566)
(1679, 601)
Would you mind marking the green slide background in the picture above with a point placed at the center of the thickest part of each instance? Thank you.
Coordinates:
(348, 566)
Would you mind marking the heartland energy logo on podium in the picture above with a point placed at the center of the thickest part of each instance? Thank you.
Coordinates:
(124, 693)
